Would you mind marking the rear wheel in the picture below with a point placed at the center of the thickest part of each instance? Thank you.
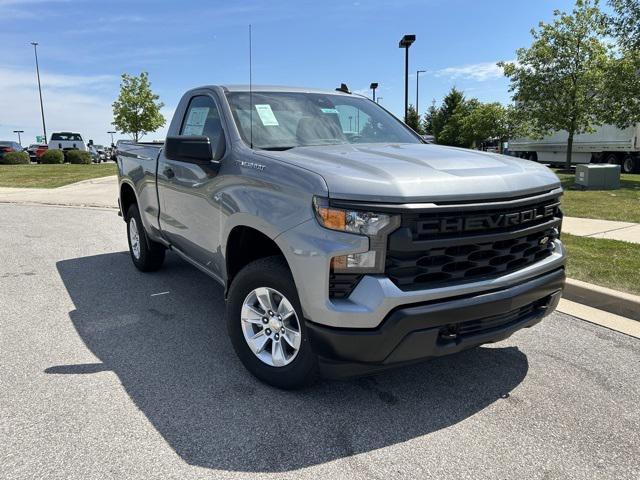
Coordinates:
(266, 327)
(629, 165)
(146, 254)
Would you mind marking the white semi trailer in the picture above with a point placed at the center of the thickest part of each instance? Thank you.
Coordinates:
(608, 144)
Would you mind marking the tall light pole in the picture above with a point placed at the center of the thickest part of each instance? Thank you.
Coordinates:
(373, 87)
(19, 132)
(405, 43)
(418, 72)
(44, 127)
(379, 100)
(111, 132)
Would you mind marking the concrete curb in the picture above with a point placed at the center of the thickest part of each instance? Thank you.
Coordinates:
(602, 298)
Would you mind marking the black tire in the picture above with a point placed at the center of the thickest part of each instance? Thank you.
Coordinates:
(629, 165)
(612, 159)
(274, 273)
(149, 255)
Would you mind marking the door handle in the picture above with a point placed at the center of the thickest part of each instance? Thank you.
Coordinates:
(168, 172)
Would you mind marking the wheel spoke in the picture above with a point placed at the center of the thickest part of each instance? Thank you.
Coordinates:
(277, 354)
(264, 299)
(252, 315)
(285, 309)
(292, 337)
(258, 342)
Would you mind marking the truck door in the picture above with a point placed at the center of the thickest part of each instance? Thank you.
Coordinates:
(189, 211)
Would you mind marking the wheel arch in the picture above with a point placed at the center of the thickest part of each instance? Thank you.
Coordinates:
(245, 244)
(128, 197)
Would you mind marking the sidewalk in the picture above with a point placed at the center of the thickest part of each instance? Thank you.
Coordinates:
(589, 227)
(97, 192)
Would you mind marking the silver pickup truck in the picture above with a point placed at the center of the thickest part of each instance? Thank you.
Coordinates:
(345, 244)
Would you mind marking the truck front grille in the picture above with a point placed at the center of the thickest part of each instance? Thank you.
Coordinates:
(417, 259)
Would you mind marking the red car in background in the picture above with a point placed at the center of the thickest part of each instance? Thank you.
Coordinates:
(36, 150)
(9, 146)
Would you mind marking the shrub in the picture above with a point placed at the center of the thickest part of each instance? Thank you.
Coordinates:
(52, 156)
(15, 158)
(78, 157)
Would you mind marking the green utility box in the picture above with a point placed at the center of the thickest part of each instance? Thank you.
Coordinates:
(598, 177)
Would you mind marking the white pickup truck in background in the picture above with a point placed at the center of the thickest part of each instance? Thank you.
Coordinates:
(67, 141)
(608, 144)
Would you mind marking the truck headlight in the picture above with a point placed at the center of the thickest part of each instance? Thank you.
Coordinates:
(374, 225)
(352, 221)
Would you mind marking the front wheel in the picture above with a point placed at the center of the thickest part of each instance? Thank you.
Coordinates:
(146, 254)
(266, 327)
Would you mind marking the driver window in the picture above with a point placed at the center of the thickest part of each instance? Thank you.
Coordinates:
(202, 119)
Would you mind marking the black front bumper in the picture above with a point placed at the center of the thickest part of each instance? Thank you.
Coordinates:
(420, 331)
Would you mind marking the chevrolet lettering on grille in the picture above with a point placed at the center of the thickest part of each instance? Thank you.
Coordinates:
(486, 222)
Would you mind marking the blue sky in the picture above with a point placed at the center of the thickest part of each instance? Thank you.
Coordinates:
(86, 44)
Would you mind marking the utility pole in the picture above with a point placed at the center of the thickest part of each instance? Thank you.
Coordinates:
(44, 127)
(418, 72)
(405, 43)
(19, 132)
(373, 87)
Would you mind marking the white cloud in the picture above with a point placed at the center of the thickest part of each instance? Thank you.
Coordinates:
(79, 103)
(477, 71)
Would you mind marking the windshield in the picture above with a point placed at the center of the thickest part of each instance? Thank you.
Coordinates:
(283, 120)
(69, 137)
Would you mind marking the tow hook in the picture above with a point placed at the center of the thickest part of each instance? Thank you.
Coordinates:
(449, 333)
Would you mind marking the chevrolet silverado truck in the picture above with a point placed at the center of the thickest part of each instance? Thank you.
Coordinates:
(344, 242)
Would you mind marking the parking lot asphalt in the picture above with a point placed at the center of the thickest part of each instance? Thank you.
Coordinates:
(106, 372)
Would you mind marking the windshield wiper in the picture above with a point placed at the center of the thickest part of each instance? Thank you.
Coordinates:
(278, 149)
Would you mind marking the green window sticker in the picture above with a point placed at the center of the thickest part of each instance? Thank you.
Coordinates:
(329, 110)
(266, 115)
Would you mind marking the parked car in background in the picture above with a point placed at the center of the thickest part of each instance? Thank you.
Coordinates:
(96, 156)
(102, 153)
(36, 150)
(67, 141)
(9, 146)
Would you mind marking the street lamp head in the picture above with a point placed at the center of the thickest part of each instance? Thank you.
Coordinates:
(406, 41)
(421, 71)
(373, 86)
(34, 43)
(18, 131)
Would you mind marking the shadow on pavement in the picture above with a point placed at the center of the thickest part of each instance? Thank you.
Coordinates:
(171, 353)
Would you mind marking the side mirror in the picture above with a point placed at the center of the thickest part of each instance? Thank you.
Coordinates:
(194, 149)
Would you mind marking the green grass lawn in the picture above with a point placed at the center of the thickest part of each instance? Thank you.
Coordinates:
(622, 204)
(51, 176)
(608, 263)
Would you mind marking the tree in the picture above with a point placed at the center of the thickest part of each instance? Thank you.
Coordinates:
(413, 120)
(429, 119)
(623, 79)
(137, 109)
(437, 118)
(493, 121)
(454, 132)
(625, 23)
(559, 82)
(486, 121)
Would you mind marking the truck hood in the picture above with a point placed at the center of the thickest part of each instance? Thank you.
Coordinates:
(404, 173)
